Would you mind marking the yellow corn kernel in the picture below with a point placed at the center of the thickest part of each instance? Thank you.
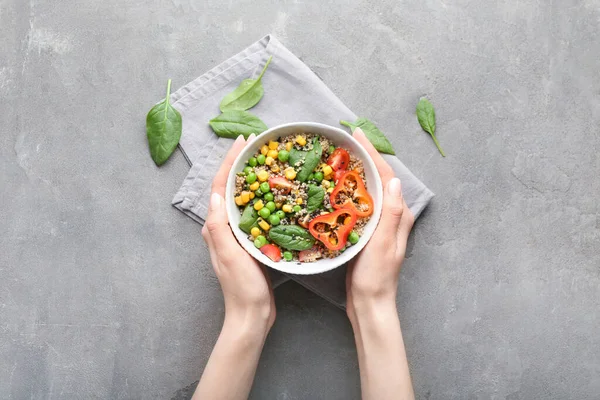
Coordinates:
(273, 145)
(264, 225)
(251, 195)
(255, 231)
(299, 200)
(273, 153)
(262, 175)
(275, 168)
(287, 208)
(254, 186)
(326, 184)
(245, 197)
(278, 205)
(264, 150)
(347, 220)
(238, 201)
(290, 173)
(330, 190)
(301, 140)
(327, 170)
(269, 160)
(288, 146)
(258, 205)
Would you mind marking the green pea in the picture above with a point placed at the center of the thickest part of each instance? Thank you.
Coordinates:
(280, 214)
(260, 241)
(264, 212)
(265, 187)
(353, 237)
(283, 155)
(269, 196)
(247, 170)
(251, 178)
(252, 162)
(297, 208)
(261, 159)
(288, 256)
(270, 206)
(311, 177)
(274, 220)
(330, 209)
(258, 193)
(331, 149)
(318, 176)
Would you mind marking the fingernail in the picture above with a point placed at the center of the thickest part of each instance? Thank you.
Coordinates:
(394, 187)
(358, 130)
(240, 138)
(251, 137)
(215, 201)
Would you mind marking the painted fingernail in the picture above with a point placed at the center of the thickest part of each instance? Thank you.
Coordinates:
(215, 201)
(394, 187)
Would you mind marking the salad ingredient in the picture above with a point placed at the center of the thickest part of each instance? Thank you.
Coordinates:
(426, 117)
(271, 251)
(264, 212)
(252, 162)
(296, 156)
(316, 194)
(248, 219)
(233, 123)
(251, 177)
(261, 159)
(269, 196)
(255, 232)
(333, 229)
(291, 237)
(311, 161)
(246, 95)
(263, 224)
(375, 136)
(260, 241)
(281, 183)
(163, 129)
(339, 160)
(309, 255)
(274, 219)
(284, 155)
(288, 256)
(264, 187)
(353, 237)
(350, 192)
(262, 175)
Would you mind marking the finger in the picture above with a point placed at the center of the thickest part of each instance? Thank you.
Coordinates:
(220, 180)
(211, 249)
(406, 224)
(218, 228)
(385, 171)
(391, 214)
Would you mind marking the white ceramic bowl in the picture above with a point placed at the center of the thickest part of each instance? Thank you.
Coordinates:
(341, 139)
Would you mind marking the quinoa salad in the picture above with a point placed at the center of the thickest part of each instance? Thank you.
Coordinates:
(301, 198)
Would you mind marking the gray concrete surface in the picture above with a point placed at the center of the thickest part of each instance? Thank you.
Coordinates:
(106, 290)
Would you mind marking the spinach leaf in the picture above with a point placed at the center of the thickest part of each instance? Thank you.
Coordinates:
(163, 128)
(311, 161)
(291, 237)
(296, 156)
(426, 117)
(375, 136)
(246, 95)
(249, 219)
(231, 124)
(316, 194)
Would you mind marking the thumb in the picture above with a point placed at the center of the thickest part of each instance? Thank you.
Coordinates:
(217, 224)
(391, 215)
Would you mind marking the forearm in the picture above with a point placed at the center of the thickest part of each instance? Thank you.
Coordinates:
(231, 367)
(382, 358)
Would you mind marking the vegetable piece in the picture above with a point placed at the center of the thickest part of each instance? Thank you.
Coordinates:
(304, 220)
(265, 187)
(316, 194)
(254, 186)
(258, 205)
(301, 140)
(274, 220)
(264, 225)
(311, 161)
(270, 206)
(297, 208)
(252, 162)
(248, 219)
(246, 95)
(280, 214)
(338, 174)
(251, 177)
(269, 196)
(287, 208)
(163, 129)
(247, 170)
(283, 155)
(255, 232)
(310, 255)
(260, 241)
(375, 136)
(280, 183)
(271, 251)
(426, 117)
(353, 237)
(264, 212)
(331, 149)
(333, 229)
(318, 176)
(296, 156)
(350, 192)
(261, 159)
(232, 124)
(291, 237)
(288, 256)
(262, 176)
(339, 160)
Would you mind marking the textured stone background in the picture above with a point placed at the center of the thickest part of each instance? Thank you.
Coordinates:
(106, 290)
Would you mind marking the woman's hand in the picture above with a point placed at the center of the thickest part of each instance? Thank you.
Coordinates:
(371, 286)
(248, 295)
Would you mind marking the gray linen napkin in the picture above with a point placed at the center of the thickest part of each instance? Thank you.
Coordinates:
(292, 93)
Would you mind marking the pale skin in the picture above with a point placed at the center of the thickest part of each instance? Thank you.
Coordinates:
(371, 285)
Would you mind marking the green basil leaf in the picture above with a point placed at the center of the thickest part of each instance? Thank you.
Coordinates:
(426, 117)
(296, 156)
(163, 128)
(231, 124)
(246, 95)
(313, 156)
(249, 219)
(316, 194)
(375, 136)
(291, 237)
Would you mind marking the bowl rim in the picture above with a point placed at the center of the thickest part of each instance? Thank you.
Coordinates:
(293, 267)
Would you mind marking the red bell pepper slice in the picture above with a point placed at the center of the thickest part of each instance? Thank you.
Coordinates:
(332, 229)
(271, 251)
(280, 183)
(350, 192)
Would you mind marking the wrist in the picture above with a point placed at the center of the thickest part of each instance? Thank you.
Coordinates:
(250, 324)
(372, 313)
